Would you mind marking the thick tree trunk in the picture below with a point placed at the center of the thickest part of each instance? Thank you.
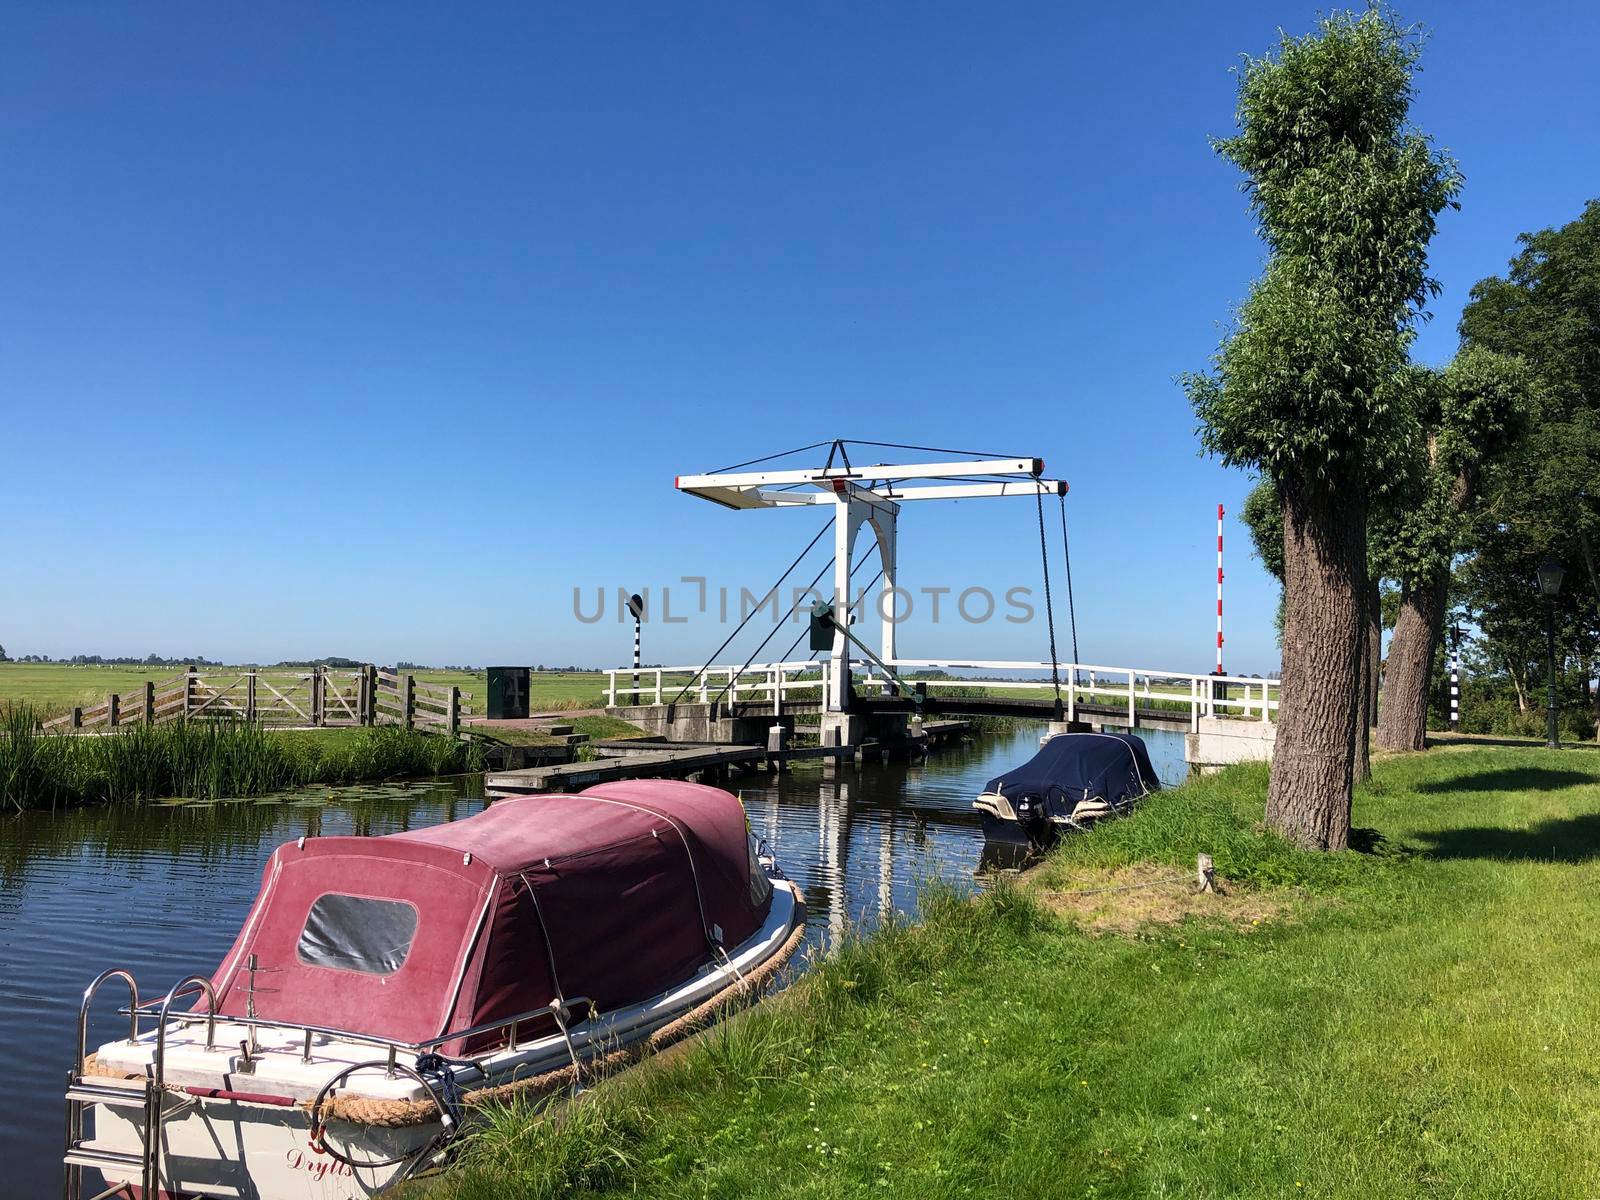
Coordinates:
(1374, 649)
(1325, 575)
(1361, 770)
(1403, 723)
(1370, 654)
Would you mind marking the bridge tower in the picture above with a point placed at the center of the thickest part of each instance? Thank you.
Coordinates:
(863, 496)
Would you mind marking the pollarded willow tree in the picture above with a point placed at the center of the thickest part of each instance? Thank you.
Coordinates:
(1346, 193)
(1469, 412)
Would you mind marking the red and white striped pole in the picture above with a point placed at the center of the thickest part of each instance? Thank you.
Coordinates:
(1219, 589)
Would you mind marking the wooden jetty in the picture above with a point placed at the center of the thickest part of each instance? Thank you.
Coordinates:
(662, 762)
(657, 758)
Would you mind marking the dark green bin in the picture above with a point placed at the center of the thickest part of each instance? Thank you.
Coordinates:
(508, 693)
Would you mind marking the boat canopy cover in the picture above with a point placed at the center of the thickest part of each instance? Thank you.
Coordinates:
(1070, 767)
(615, 894)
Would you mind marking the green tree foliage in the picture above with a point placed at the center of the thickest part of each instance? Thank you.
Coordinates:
(1544, 499)
(1347, 196)
(1262, 515)
(1546, 309)
(1470, 413)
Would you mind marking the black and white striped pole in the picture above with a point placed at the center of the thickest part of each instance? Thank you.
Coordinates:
(1455, 677)
(636, 607)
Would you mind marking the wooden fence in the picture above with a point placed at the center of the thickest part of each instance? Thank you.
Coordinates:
(314, 698)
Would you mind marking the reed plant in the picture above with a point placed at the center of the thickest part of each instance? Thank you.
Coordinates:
(204, 760)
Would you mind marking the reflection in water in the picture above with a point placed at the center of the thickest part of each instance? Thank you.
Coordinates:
(162, 890)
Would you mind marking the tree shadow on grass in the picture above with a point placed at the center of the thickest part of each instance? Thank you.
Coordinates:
(1517, 743)
(1565, 840)
(1365, 840)
(1512, 779)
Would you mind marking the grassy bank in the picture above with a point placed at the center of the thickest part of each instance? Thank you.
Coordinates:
(205, 760)
(1415, 1018)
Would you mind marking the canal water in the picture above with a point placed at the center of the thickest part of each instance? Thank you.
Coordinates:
(162, 889)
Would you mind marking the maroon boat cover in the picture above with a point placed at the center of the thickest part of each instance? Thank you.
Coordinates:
(614, 894)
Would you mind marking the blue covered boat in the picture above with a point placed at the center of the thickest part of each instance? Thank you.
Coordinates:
(1074, 780)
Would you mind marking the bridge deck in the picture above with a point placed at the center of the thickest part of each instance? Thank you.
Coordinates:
(665, 762)
(1042, 710)
(1144, 717)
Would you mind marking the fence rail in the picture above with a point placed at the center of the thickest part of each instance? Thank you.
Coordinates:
(1234, 696)
(314, 698)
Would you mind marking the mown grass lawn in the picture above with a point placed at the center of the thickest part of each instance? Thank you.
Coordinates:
(1420, 1017)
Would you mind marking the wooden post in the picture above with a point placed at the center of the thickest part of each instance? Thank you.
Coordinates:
(409, 697)
(113, 709)
(455, 710)
(363, 702)
(77, 718)
(188, 689)
(149, 702)
(316, 695)
(250, 697)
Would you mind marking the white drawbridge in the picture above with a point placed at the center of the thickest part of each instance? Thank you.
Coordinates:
(868, 495)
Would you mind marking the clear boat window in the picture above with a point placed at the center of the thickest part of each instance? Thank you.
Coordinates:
(760, 884)
(357, 933)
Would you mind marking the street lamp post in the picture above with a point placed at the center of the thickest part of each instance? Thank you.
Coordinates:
(1551, 573)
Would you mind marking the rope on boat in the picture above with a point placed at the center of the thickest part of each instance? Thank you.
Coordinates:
(1121, 887)
(364, 1110)
(436, 1069)
(394, 1114)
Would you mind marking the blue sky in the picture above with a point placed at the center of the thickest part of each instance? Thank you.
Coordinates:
(375, 330)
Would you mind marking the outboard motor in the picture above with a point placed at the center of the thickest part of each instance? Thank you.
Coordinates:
(1034, 818)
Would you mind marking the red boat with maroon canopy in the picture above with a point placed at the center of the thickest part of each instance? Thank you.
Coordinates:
(613, 894)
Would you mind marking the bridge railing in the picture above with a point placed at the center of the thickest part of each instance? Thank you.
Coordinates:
(1129, 688)
(744, 684)
(1091, 683)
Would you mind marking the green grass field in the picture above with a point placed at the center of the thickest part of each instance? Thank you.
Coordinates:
(1416, 1018)
(59, 686)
